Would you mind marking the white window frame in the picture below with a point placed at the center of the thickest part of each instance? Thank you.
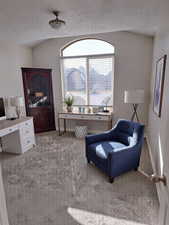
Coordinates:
(88, 57)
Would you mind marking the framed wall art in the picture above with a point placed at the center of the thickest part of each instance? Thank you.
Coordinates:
(159, 85)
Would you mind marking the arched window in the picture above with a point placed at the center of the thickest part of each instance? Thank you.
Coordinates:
(88, 47)
(88, 72)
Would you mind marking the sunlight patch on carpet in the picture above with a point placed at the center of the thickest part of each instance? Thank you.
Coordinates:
(90, 218)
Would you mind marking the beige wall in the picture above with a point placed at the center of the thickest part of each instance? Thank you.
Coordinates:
(158, 128)
(12, 58)
(132, 66)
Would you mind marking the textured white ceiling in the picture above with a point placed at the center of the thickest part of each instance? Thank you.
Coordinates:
(26, 21)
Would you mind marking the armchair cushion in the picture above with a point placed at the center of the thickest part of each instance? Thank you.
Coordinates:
(103, 148)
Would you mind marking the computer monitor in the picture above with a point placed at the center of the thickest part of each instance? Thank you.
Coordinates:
(2, 109)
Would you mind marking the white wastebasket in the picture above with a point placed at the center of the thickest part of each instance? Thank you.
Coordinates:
(80, 131)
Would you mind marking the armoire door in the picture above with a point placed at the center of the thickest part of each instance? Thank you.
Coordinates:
(39, 98)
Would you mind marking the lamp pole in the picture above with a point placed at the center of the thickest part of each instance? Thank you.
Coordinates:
(135, 114)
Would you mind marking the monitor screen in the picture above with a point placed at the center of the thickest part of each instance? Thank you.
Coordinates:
(2, 108)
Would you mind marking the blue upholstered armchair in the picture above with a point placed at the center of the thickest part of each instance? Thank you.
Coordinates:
(117, 150)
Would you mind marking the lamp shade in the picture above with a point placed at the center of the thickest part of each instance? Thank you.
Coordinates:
(134, 96)
(19, 101)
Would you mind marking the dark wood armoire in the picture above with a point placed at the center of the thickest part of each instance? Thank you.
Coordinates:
(39, 97)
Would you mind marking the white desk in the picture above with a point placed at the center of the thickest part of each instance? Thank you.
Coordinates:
(107, 117)
(17, 135)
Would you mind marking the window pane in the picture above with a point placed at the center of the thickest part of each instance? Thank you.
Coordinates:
(88, 47)
(100, 81)
(74, 71)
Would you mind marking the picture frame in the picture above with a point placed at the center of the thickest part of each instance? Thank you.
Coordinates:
(159, 85)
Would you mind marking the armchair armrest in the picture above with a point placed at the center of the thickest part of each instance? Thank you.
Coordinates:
(123, 160)
(105, 136)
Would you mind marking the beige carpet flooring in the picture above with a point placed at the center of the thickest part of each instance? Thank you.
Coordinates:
(53, 185)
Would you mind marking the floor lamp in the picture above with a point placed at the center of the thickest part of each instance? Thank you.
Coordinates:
(134, 97)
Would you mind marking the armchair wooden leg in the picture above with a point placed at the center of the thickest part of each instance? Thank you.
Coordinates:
(111, 179)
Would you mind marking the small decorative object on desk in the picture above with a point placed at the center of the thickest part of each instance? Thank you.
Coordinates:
(79, 109)
(95, 109)
(105, 102)
(83, 109)
(69, 102)
(89, 110)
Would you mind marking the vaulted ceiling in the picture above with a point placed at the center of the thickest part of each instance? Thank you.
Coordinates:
(26, 21)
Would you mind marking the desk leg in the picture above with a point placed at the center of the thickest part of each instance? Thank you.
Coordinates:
(64, 125)
(59, 126)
